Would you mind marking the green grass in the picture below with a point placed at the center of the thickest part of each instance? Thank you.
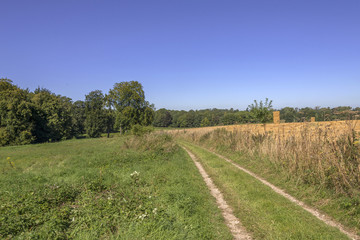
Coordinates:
(88, 189)
(262, 211)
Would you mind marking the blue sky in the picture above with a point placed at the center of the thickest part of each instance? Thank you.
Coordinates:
(187, 54)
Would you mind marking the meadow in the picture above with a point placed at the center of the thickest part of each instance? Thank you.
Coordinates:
(145, 186)
(107, 188)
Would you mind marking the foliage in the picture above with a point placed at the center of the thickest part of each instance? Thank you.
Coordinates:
(16, 123)
(205, 122)
(35, 117)
(162, 118)
(128, 99)
(289, 114)
(52, 115)
(139, 130)
(127, 94)
(78, 114)
(261, 111)
(95, 113)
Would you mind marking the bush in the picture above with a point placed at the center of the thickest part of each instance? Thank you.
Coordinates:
(159, 143)
(4, 137)
(139, 130)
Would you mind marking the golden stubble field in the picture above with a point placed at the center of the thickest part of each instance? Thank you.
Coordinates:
(333, 129)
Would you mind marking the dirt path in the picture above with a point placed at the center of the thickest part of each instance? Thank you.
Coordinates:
(237, 230)
(311, 210)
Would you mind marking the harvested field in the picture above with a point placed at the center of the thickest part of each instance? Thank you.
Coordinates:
(333, 128)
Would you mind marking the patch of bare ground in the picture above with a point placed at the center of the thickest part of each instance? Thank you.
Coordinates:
(237, 230)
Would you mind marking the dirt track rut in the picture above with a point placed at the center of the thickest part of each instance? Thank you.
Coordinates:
(311, 210)
(237, 230)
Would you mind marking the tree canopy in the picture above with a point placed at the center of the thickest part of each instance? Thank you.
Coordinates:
(261, 111)
(95, 114)
(128, 99)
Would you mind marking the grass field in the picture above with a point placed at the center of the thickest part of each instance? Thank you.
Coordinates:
(117, 188)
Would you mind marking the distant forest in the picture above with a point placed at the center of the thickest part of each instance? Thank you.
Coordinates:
(218, 117)
(42, 116)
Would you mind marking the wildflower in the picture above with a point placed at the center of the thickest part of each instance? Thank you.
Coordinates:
(154, 211)
(142, 216)
(134, 174)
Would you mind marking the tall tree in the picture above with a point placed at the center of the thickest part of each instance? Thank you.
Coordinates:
(261, 111)
(128, 98)
(289, 114)
(16, 124)
(205, 122)
(53, 117)
(162, 118)
(78, 114)
(95, 115)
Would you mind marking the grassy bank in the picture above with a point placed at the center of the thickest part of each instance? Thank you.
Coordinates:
(321, 171)
(117, 188)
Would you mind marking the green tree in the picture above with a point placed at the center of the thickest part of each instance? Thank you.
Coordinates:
(109, 121)
(78, 114)
(229, 118)
(128, 98)
(147, 115)
(288, 114)
(306, 113)
(16, 123)
(205, 122)
(110, 115)
(127, 94)
(95, 115)
(162, 118)
(261, 111)
(52, 116)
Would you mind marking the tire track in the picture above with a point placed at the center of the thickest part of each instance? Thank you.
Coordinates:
(233, 223)
(323, 217)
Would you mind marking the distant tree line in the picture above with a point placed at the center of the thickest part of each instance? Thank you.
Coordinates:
(218, 117)
(42, 116)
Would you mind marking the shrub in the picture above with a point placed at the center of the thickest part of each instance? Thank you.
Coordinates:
(160, 143)
(139, 130)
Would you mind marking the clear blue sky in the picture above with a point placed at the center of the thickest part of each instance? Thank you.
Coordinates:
(188, 54)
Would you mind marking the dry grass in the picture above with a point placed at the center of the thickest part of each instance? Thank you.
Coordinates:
(321, 153)
(334, 128)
